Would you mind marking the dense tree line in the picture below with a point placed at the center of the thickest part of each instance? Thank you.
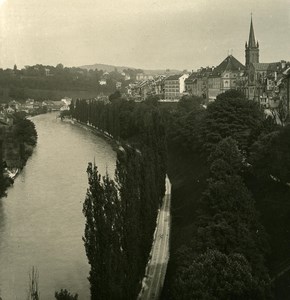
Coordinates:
(41, 77)
(228, 237)
(199, 129)
(121, 213)
(21, 135)
(247, 156)
(25, 134)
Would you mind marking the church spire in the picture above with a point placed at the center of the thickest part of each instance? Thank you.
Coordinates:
(252, 47)
(252, 41)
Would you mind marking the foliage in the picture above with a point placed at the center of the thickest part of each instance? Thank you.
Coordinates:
(65, 295)
(25, 134)
(197, 129)
(228, 151)
(117, 254)
(102, 235)
(270, 155)
(152, 100)
(240, 144)
(228, 223)
(184, 122)
(189, 103)
(42, 80)
(231, 94)
(231, 117)
(115, 96)
(33, 290)
(213, 276)
(24, 131)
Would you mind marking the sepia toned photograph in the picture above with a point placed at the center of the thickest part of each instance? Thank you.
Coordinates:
(144, 150)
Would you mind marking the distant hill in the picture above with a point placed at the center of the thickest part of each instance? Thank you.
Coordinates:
(110, 68)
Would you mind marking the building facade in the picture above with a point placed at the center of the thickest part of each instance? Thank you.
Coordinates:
(174, 86)
(263, 82)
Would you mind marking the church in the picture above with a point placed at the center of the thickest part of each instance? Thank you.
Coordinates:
(265, 83)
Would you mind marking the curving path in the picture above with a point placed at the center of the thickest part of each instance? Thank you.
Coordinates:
(156, 269)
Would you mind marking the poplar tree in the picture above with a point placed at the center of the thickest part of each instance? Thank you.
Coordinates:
(102, 235)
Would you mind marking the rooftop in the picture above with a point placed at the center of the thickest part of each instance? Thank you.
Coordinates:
(174, 77)
(230, 63)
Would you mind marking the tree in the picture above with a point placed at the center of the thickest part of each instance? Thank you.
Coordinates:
(214, 276)
(270, 155)
(231, 117)
(189, 103)
(228, 151)
(65, 295)
(118, 255)
(33, 290)
(115, 96)
(231, 94)
(227, 219)
(102, 236)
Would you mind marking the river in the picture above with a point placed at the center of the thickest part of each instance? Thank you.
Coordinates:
(41, 220)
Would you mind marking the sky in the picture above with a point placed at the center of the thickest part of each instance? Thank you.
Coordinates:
(148, 34)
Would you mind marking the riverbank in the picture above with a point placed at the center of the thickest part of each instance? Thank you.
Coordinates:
(96, 131)
(18, 143)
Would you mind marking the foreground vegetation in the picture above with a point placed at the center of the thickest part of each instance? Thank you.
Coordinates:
(222, 185)
(222, 180)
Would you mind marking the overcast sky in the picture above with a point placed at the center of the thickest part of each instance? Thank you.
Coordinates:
(151, 34)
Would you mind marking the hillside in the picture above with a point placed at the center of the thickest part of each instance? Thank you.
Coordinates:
(110, 68)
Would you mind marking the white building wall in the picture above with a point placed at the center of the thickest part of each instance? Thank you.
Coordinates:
(181, 82)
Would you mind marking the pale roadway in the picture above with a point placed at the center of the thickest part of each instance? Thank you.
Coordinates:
(156, 269)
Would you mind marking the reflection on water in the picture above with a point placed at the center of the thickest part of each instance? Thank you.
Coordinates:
(41, 220)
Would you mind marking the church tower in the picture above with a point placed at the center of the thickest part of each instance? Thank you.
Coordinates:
(252, 48)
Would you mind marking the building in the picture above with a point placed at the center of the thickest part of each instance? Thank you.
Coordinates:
(263, 82)
(211, 81)
(251, 48)
(224, 77)
(190, 83)
(142, 76)
(174, 86)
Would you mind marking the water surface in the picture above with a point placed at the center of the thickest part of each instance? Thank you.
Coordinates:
(41, 220)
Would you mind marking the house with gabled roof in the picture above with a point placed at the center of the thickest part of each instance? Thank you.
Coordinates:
(224, 77)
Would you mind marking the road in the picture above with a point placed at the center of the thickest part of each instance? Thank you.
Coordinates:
(156, 269)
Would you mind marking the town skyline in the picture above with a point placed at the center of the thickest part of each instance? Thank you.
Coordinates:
(147, 35)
